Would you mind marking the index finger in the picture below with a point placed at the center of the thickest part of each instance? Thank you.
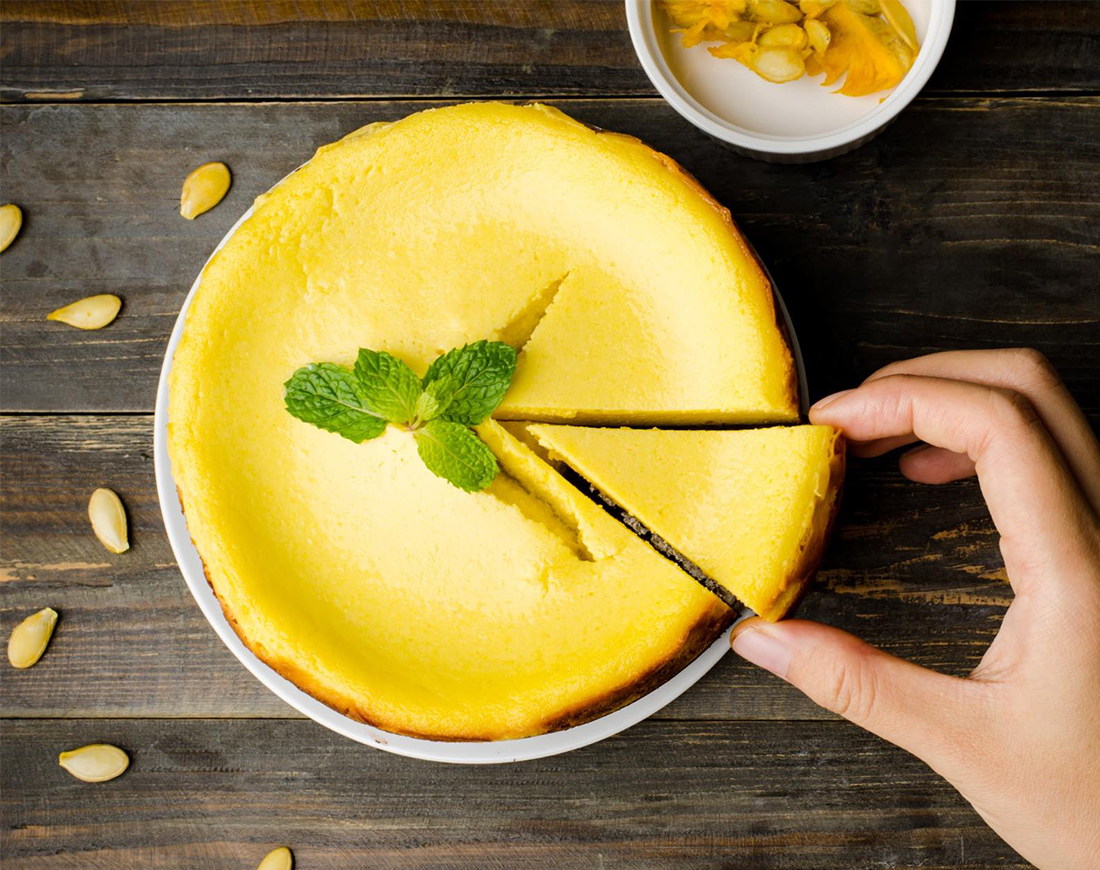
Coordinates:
(1029, 372)
(1035, 502)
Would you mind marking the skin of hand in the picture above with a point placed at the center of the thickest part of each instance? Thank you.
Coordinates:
(1020, 737)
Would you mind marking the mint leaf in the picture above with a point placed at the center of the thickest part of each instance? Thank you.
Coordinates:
(456, 454)
(390, 387)
(330, 397)
(469, 382)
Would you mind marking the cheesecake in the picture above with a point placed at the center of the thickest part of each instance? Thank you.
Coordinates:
(750, 508)
(380, 589)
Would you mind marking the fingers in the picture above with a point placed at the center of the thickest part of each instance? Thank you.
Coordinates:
(1034, 500)
(921, 711)
(928, 464)
(879, 446)
(1027, 372)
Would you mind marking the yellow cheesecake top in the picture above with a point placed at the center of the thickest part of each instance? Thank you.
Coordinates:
(379, 588)
(749, 507)
(629, 292)
(405, 602)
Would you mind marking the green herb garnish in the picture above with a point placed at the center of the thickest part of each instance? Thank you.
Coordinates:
(460, 389)
(332, 398)
(452, 451)
(468, 383)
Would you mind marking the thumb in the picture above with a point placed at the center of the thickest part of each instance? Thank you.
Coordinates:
(919, 710)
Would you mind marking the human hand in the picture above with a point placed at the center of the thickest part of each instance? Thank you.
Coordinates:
(1020, 737)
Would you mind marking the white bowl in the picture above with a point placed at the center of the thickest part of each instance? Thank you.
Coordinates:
(795, 122)
(431, 750)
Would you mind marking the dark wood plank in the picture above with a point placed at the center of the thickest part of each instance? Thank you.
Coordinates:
(219, 794)
(233, 50)
(913, 569)
(967, 223)
(203, 50)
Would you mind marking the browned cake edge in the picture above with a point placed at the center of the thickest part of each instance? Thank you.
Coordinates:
(790, 372)
(814, 541)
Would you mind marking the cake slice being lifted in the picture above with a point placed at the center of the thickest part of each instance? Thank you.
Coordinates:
(751, 508)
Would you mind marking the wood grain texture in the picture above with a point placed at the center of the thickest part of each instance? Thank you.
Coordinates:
(902, 247)
(974, 221)
(219, 794)
(913, 569)
(201, 50)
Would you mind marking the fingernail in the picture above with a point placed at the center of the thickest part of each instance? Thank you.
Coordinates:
(763, 650)
(828, 400)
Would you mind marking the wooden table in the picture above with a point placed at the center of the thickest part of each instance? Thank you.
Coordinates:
(974, 221)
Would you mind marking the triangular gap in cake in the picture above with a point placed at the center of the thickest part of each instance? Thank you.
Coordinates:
(569, 476)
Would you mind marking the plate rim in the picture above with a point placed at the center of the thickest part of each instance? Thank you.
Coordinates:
(190, 566)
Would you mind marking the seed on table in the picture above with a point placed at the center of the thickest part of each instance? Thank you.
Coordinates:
(203, 189)
(108, 520)
(29, 639)
(91, 312)
(11, 221)
(277, 859)
(97, 762)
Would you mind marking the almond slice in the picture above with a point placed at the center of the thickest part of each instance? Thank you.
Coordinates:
(91, 312)
(11, 221)
(866, 7)
(773, 11)
(277, 859)
(203, 189)
(818, 34)
(96, 762)
(108, 520)
(778, 64)
(29, 639)
(783, 36)
(812, 8)
(897, 16)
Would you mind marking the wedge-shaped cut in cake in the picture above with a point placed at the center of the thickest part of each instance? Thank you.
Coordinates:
(751, 508)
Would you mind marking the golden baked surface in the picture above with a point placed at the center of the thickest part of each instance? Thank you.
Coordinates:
(379, 588)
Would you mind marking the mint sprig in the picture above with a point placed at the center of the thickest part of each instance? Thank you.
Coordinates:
(460, 389)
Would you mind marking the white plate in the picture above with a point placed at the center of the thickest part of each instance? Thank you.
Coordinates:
(793, 122)
(431, 750)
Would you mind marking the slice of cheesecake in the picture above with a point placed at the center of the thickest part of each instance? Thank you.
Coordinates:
(751, 508)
